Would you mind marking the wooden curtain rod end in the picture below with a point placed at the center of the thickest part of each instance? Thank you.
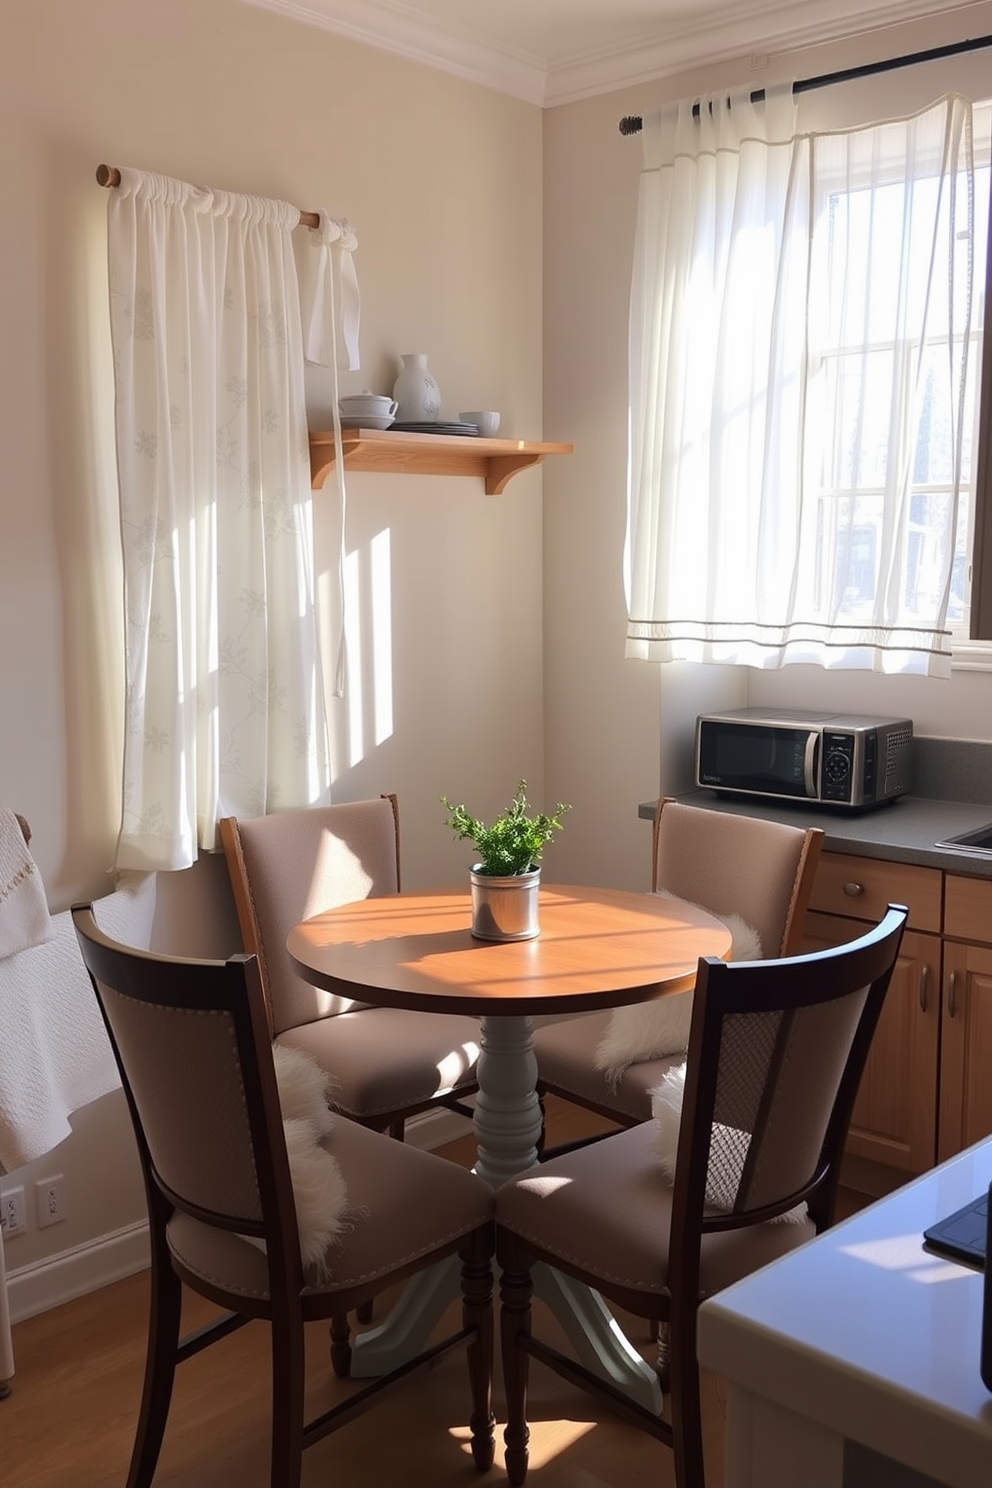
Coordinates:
(108, 175)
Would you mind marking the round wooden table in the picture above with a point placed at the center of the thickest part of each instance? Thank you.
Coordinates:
(598, 948)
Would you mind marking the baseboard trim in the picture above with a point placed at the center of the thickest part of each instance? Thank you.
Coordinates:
(61, 1278)
(432, 1129)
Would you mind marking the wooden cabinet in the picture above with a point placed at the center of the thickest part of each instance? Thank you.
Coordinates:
(966, 1016)
(895, 1116)
(926, 1091)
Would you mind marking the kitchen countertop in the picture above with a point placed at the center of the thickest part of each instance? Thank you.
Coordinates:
(954, 781)
(859, 1343)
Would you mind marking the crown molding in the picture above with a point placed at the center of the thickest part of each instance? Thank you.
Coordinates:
(396, 29)
(740, 30)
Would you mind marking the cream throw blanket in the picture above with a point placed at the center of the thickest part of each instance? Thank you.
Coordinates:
(24, 917)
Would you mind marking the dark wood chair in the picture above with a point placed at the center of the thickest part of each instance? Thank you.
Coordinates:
(776, 1052)
(192, 1043)
(732, 865)
(388, 1063)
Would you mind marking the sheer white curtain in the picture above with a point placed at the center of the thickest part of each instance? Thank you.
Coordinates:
(225, 701)
(799, 348)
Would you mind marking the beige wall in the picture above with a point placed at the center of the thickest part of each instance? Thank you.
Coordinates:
(442, 181)
(608, 744)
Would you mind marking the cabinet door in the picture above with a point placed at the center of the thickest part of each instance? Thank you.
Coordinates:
(966, 1048)
(895, 1115)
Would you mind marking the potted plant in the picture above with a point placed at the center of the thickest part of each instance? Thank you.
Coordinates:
(505, 880)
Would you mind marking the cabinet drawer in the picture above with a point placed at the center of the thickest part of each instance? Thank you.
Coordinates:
(968, 908)
(862, 887)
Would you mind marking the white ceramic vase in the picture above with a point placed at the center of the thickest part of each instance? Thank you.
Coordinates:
(416, 392)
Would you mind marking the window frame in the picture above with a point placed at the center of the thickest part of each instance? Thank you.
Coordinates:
(980, 627)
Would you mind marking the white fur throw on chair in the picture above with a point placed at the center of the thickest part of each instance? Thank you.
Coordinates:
(318, 1186)
(722, 1177)
(649, 1030)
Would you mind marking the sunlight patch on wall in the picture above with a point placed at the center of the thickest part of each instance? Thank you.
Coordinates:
(368, 619)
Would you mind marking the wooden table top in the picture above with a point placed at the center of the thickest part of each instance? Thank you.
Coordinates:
(598, 948)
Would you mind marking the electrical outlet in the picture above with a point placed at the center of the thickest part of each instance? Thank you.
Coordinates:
(12, 1217)
(49, 1207)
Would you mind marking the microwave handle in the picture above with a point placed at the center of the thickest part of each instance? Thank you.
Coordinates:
(809, 764)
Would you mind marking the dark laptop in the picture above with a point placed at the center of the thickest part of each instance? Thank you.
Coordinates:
(962, 1234)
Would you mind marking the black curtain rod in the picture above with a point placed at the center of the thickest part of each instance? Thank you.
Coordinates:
(633, 123)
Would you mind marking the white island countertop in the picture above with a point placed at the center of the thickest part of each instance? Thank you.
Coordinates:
(860, 1337)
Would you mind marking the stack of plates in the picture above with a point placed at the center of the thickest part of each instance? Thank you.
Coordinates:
(435, 428)
(365, 421)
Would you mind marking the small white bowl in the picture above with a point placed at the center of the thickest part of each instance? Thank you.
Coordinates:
(368, 406)
(364, 421)
(486, 423)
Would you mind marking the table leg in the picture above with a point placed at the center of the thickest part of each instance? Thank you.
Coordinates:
(507, 1111)
(507, 1129)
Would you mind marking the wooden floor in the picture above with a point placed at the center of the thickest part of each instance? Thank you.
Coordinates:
(69, 1422)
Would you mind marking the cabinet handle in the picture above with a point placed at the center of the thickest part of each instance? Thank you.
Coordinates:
(852, 889)
(924, 986)
(952, 1001)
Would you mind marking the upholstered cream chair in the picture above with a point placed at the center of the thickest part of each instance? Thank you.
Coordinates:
(756, 872)
(744, 1168)
(251, 1207)
(387, 1063)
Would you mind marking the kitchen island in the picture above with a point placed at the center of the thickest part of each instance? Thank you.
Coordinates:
(853, 1362)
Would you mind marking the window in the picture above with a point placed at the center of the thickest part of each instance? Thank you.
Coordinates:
(805, 336)
(870, 381)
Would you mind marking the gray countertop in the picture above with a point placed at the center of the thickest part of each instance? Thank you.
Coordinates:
(954, 779)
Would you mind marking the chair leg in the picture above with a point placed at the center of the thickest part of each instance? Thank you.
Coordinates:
(663, 1362)
(477, 1313)
(288, 1380)
(165, 1317)
(686, 1409)
(516, 1290)
(341, 1345)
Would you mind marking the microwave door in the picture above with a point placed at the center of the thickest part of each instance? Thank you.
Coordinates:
(810, 764)
(759, 759)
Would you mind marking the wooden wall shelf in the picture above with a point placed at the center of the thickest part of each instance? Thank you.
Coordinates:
(389, 453)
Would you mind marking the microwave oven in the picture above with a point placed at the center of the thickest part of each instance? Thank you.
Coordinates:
(836, 759)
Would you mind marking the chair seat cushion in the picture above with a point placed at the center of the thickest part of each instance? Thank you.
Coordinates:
(430, 1054)
(607, 1208)
(403, 1204)
(565, 1053)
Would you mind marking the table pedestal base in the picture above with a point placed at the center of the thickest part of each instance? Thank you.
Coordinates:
(507, 1126)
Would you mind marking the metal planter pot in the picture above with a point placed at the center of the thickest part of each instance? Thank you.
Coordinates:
(505, 908)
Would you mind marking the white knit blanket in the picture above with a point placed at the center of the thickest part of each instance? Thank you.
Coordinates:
(55, 1055)
(24, 917)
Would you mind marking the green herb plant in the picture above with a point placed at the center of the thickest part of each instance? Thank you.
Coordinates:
(511, 844)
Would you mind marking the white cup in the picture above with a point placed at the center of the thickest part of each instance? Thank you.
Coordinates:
(486, 423)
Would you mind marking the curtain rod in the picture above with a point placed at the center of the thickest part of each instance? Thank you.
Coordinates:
(633, 123)
(109, 175)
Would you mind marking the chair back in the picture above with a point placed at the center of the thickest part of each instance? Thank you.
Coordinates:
(192, 1046)
(294, 864)
(776, 1053)
(731, 864)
